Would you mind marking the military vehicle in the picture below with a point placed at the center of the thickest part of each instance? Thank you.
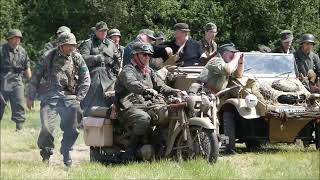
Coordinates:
(269, 105)
(176, 133)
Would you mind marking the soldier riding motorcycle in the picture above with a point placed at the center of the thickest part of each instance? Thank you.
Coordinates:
(150, 126)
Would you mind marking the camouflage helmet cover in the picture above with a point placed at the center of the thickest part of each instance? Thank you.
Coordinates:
(14, 33)
(114, 32)
(139, 47)
(67, 38)
(62, 29)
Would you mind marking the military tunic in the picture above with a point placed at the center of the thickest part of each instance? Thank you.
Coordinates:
(305, 62)
(61, 82)
(279, 49)
(132, 80)
(208, 48)
(13, 63)
(103, 73)
(215, 74)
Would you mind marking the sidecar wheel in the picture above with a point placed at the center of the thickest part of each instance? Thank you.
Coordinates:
(205, 144)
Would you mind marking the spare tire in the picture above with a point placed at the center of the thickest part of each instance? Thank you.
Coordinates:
(285, 85)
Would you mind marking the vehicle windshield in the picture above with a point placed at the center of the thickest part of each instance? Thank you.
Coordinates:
(269, 64)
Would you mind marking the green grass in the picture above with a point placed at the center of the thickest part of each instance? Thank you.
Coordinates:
(20, 159)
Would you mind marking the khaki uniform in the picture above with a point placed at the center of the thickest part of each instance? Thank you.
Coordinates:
(215, 74)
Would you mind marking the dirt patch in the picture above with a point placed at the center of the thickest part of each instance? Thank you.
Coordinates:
(79, 154)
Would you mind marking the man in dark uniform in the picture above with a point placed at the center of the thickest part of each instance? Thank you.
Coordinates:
(285, 43)
(62, 80)
(14, 63)
(187, 51)
(136, 80)
(103, 60)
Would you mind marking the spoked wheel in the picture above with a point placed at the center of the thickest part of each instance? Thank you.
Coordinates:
(204, 143)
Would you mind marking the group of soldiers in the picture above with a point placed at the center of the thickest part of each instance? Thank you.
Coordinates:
(71, 78)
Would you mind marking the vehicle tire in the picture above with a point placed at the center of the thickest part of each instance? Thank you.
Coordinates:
(253, 145)
(317, 132)
(229, 127)
(205, 144)
(103, 155)
(94, 154)
(306, 143)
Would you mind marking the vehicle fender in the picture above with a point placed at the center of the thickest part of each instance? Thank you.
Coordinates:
(243, 110)
(204, 122)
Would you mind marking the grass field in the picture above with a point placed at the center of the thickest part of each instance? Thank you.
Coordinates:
(20, 159)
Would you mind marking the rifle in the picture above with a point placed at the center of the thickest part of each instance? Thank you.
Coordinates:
(205, 60)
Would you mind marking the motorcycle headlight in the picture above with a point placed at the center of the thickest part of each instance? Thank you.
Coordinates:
(251, 100)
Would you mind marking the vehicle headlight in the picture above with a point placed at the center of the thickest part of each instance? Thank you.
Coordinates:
(251, 100)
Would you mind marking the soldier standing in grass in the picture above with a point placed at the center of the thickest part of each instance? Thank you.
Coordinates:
(14, 63)
(65, 81)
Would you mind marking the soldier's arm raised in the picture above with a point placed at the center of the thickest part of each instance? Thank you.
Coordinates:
(84, 80)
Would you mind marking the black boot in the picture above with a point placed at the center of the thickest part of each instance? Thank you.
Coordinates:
(45, 154)
(19, 126)
(130, 152)
(66, 158)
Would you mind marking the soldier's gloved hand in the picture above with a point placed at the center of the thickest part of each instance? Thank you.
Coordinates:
(150, 91)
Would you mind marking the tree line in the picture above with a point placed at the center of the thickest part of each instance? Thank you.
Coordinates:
(247, 23)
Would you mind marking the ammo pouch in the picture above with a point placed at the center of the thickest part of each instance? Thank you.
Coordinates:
(130, 100)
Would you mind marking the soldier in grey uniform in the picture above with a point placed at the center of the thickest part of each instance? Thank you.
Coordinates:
(306, 58)
(50, 45)
(136, 80)
(62, 80)
(14, 63)
(103, 60)
(115, 36)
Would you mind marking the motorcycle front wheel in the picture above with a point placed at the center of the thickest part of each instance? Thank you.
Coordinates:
(204, 144)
